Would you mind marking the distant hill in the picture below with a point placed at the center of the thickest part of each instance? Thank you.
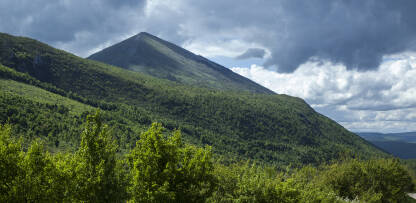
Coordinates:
(400, 149)
(409, 137)
(148, 54)
(402, 145)
(49, 92)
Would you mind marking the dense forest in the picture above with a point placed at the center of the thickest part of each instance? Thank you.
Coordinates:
(162, 168)
(78, 130)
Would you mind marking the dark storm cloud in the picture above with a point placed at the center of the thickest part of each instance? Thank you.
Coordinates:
(85, 24)
(355, 33)
(252, 53)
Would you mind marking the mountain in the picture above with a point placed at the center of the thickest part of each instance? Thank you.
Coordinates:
(409, 137)
(148, 54)
(402, 150)
(402, 145)
(46, 92)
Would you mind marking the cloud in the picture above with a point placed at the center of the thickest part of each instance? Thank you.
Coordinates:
(377, 100)
(75, 25)
(252, 53)
(356, 34)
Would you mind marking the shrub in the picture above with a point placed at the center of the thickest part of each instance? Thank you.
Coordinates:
(97, 177)
(382, 180)
(165, 170)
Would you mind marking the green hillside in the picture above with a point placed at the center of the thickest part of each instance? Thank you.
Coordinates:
(238, 125)
(40, 95)
(148, 54)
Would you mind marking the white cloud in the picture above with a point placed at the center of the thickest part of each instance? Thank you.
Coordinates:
(228, 48)
(292, 31)
(381, 100)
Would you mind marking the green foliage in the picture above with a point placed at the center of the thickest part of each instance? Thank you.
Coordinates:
(164, 170)
(39, 95)
(10, 156)
(36, 113)
(251, 183)
(381, 180)
(42, 181)
(411, 167)
(32, 119)
(30, 176)
(96, 178)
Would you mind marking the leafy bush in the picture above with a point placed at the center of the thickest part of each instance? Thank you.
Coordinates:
(27, 176)
(251, 183)
(10, 156)
(41, 180)
(382, 180)
(164, 170)
(96, 178)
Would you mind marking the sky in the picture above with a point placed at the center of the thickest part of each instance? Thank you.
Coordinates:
(353, 61)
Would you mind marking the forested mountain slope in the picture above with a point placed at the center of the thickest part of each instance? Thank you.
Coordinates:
(266, 127)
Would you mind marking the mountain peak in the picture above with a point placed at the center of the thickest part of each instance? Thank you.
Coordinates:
(142, 35)
(151, 55)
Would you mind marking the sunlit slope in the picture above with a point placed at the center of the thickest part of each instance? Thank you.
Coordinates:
(39, 95)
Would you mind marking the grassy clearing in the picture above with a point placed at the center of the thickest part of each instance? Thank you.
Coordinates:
(42, 96)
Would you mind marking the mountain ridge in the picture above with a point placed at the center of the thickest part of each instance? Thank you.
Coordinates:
(402, 144)
(151, 55)
(409, 137)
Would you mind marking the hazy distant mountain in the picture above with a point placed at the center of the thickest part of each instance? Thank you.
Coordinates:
(402, 145)
(409, 137)
(148, 54)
